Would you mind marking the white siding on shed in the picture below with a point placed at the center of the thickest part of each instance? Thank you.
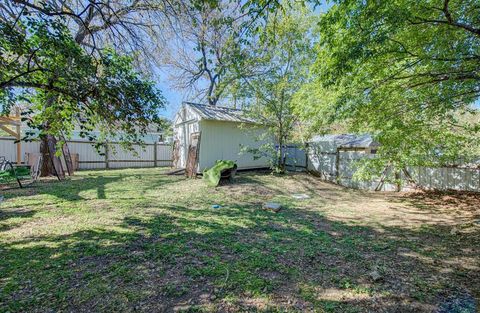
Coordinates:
(224, 140)
(223, 133)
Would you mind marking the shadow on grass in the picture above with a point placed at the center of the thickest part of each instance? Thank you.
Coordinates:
(17, 214)
(96, 183)
(237, 257)
(441, 201)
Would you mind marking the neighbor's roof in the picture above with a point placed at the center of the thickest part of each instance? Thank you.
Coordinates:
(216, 113)
(348, 140)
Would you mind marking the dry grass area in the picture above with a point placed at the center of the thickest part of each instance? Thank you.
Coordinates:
(139, 240)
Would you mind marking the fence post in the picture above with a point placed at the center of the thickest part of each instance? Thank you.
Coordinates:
(18, 136)
(307, 150)
(107, 165)
(155, 154)
(337, 165)
(295, 159)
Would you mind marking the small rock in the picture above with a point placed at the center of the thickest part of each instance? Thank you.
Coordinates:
(274, 206)
(204, 296)
(403, 250)
(454, 231)
(300, 196)
(375, 276)
(182, 308)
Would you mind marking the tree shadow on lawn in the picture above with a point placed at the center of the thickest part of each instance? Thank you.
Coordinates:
(96, 184)
(237, 258)
(465, 206)
(297, 183)
(17, 214)
(74, 192)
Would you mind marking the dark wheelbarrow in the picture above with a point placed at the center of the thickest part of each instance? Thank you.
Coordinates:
(229, 174)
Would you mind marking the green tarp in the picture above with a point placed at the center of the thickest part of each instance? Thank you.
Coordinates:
(212, 175)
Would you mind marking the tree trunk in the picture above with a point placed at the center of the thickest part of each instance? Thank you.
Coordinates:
(281, 159)
(47, 164)
(51, 162)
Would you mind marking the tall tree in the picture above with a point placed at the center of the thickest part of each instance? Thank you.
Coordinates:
(67, 85)
(206, 45)
(281, 57)
(128, 26)
(405, 71)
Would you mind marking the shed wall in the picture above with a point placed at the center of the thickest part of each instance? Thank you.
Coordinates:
(223, 140)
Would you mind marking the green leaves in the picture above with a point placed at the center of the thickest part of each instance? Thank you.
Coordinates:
(67, 87)
(280, 58)
(405, 71)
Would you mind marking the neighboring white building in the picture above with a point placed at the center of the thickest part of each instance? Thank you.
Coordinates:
(152, 135)
(223, 132)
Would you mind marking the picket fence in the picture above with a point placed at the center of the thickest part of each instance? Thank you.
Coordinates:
(109, 156)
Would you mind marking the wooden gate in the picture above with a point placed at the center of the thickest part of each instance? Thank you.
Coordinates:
(192, 156)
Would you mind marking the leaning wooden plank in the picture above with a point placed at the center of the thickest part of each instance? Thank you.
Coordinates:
(57, 164)
(382, 178)
(67, 157)
(177, 171)
(192, 157)
(409, 176)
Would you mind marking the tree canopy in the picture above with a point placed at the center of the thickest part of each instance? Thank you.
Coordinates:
(67, 85)
(280, 57)
(405, 71)
(208, 41)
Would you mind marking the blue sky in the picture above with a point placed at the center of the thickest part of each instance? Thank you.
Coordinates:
(175, 97)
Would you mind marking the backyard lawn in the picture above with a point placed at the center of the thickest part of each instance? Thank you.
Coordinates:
(139, 240)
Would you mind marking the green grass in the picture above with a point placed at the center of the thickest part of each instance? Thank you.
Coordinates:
(139, 240)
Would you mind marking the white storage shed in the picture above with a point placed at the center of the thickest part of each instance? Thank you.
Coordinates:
(221, 132)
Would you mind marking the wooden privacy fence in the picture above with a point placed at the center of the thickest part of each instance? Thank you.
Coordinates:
(339, 166)
(109, 156)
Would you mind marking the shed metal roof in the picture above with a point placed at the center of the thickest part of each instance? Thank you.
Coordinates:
(348, 140)
(216, 113)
